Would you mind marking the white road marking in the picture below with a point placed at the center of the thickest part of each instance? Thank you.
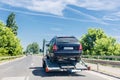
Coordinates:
(14, 78)
(32, 64)
(26, 78)
(102, 75)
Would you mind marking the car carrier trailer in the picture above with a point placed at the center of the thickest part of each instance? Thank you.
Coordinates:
(69, 66)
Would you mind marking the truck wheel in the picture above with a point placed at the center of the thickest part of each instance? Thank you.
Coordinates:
(45, 68)
(43, 64)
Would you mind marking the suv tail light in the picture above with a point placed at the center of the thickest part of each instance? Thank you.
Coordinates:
(80, 47)
(54, 47)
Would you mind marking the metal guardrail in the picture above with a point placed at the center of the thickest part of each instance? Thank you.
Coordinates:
(109, 65)
(113, 58)
(104, 60)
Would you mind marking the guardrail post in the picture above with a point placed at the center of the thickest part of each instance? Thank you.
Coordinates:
(98, 57)
(9, 57)
(44, 47)
(97, 66)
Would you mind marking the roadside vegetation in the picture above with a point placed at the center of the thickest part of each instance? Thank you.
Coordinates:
(7, 58)
(96, 42)
(33, 48)
(11, 23)
(9, 42)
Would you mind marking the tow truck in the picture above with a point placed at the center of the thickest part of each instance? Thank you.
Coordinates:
(69, 66)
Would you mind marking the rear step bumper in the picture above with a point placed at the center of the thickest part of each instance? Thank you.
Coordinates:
(68, 70)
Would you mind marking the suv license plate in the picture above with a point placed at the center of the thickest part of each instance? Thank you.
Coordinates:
(68, 48)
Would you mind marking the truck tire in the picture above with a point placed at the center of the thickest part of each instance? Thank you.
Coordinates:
(43, 64)
(45, 67)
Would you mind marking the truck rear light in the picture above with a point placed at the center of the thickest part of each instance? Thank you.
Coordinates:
(54, 47)
(46, 69)
(89, 68)
(80, 47)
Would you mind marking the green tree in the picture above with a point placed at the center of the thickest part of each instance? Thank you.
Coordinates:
(105, 46)
(88, 39)
(33, 48)
(29, 48)
(96, 42)
(11, 23)
(117, 49)
(9, 43)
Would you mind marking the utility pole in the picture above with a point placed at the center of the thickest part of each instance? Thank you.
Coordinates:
(43, 49)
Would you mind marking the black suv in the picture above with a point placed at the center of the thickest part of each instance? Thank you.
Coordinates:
(61, 48)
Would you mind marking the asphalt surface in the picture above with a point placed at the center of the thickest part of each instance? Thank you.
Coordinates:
(30, 68)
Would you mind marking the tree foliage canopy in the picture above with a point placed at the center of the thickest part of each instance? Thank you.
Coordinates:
(96, 42)
(33, 48)
(11, 23)
(9, 43)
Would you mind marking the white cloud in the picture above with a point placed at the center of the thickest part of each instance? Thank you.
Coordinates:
(92, 18)
(56, 7)
(112, 17)
(47, 6)
(39, 14)
(100, 4)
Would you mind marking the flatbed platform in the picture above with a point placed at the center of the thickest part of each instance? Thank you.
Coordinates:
(70, 66)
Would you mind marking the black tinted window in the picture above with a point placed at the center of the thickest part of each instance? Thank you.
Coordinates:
(66, 39)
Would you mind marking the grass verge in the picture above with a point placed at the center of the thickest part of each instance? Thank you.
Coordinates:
(8, 58)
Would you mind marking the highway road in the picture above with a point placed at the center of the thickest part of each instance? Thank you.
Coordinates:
(30, 68)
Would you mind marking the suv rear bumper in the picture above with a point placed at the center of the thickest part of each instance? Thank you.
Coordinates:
(67, 54)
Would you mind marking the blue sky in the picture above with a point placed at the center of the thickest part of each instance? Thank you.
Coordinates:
(39, 19)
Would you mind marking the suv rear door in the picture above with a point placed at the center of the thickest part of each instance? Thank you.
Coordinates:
(67, 43)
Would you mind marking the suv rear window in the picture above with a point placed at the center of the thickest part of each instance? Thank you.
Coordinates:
(67, 39)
